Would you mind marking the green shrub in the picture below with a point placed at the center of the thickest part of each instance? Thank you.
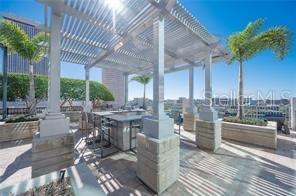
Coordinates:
(22, 119)
(71, 89)
(248, 121)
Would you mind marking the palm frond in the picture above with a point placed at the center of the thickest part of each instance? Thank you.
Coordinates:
(40, 41)
(248, 42)
(16, 40)
(252, 29)
(142, 79)
(277, 39)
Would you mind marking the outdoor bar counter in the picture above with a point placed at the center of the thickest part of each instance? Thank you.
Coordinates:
(125, 126)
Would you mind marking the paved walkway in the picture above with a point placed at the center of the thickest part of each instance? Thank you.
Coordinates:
(235, 169)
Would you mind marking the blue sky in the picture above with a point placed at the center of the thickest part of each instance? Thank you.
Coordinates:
(263, 73)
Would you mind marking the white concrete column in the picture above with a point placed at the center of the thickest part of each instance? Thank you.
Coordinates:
(54, 65)
(208, 80)
(208, 127)
(87, 107)
(125, 89)
(54, 122)
(191, 107)
(86, 83)
(54, 127)
(158, 68)
(190, 113)
(158, 147)
(191, 84)
(159, 125)
(208, 113)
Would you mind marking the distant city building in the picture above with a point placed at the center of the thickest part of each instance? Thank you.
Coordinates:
(114, 80)
(17, 64)
(138, 102)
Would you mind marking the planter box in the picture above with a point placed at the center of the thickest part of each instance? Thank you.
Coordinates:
(17, 131)
(265, 136)
(74, 116)
(83, 182)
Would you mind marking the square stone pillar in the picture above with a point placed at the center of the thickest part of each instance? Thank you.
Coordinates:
(88, 105)
(53, 145)
(208, 128)
(293, 113)
(158, 161)
(208, 134)
(190, 114)
(158, 146)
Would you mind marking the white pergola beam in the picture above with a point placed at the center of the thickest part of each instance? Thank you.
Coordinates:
(128, 36)
(66, 9)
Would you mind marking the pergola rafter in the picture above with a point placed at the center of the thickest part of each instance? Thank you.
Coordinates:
(90, 36)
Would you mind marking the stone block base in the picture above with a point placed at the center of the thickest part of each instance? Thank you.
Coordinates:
(158, 128)
(208, 134)
(51, 153)
(158, 161)
(53, 124)
(189, 121)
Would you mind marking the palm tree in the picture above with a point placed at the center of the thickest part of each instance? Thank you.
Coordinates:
(32, 49)
(247, 43)
(143, 79)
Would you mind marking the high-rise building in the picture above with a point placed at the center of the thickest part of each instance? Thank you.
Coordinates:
(17, 64)
(114, 80)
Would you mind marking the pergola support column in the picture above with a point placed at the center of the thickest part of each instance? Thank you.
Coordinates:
(125, 89)
(158, 146)
(88, 105)
(52, 148)
(208, 127)
(190, 114)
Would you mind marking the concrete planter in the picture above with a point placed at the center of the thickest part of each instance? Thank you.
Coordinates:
(265, 136)
(74, 116)
(18, 131)
(82, 180)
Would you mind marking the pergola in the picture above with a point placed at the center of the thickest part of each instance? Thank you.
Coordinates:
(133, 36)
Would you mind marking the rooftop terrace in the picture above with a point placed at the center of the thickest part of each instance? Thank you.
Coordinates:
(234, 169)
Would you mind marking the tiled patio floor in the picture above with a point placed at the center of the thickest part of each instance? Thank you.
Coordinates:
(235, 169)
